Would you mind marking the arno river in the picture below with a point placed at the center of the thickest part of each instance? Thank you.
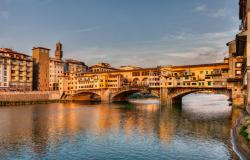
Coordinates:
(140, 130)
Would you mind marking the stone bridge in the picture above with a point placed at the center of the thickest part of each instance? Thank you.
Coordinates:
(170, 83)
(171, 95)
(109, 95)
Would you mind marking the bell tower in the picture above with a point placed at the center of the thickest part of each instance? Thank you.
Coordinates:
(58, 52)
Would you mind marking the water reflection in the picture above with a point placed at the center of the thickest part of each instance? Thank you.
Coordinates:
(144, 130)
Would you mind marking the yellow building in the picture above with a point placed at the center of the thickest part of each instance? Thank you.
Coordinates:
(16, 71)
(205, 75)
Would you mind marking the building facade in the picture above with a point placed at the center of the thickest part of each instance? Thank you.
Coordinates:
(102, 67)
(239, 50)
(41, 68)
(75, 66)
(16, 71)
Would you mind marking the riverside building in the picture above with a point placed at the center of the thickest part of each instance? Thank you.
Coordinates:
(56, 68)
(41, 68)
(16, 71)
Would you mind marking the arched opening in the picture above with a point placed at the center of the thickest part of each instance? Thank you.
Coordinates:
(135, 94)
(87, 96)
(136, 82)
(145, 82)
(178, 96)
(124, 96)
(206, 105)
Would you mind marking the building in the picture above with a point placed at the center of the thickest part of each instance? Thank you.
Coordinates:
(72, 82)
(204, 75)
(102, 67)
(241, 48)
(41, 68)
(129, 67)
(16, 71)
(56, 68)
(75, 66)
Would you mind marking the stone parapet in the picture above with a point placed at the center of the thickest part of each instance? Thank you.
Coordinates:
(29, 96)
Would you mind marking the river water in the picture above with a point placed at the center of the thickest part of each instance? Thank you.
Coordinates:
(139, 130)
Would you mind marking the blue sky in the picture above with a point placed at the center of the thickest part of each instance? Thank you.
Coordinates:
(144, 33)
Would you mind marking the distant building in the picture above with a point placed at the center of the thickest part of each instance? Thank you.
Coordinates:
(129, 67)
(41, 68)
(102, 67)
(75, 66)
(56, 68)
(16, 70)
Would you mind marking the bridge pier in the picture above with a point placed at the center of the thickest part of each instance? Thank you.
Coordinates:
(237, 98)
(167, 99)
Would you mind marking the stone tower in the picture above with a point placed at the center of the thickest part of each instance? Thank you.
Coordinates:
(58, 52)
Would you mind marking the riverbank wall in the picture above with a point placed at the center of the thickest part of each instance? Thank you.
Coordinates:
(242, 145)
(31, 97)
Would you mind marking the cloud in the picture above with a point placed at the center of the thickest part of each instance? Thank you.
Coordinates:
(86, 29)
(200, 8)
(214, 13)
(4, 14)
(179, 49)
(222, 12)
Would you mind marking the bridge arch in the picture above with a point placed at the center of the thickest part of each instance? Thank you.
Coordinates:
(86, 96)
(136, 81)
(145, 81)
(176, 95)
(124, 95)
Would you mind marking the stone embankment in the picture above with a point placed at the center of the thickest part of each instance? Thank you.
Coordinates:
(241, 134)
(31, 97)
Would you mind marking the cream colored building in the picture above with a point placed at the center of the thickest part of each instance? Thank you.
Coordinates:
(16, 71)
(56, 69)
(75, 66)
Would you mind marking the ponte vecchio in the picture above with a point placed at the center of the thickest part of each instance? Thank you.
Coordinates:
(169, 83)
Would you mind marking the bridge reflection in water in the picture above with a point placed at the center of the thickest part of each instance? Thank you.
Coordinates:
(138, 130)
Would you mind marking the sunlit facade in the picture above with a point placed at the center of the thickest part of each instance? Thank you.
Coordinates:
(16, 71)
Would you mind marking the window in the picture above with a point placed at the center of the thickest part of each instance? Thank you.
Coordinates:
(134, 74)
(146, 73)
(238, 64)
(238, 72)
(235, 84)
(209, 83)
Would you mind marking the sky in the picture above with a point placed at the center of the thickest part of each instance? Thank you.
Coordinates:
(145, 33)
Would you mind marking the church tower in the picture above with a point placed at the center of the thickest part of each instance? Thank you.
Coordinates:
(58, 52)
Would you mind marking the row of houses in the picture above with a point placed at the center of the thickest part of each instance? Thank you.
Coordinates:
(40, 72)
